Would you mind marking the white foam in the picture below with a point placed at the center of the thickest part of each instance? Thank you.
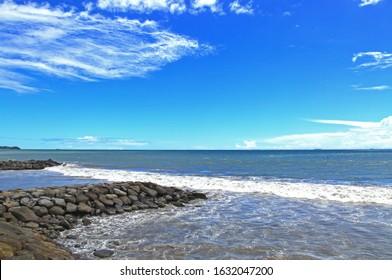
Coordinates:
(301, 190)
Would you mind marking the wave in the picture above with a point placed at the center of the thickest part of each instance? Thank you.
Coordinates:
(288, 189)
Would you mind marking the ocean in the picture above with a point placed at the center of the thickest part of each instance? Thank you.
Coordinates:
(313, 204)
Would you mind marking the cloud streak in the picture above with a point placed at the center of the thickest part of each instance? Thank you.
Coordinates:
(95, 142)
(144, 6)
(79, 45)
(378, 88)
(369, 2)
(373, 60)
(177, 6)
(359, 135)
(237, 8)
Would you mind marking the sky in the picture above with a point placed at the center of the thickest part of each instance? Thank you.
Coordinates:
(196, 74)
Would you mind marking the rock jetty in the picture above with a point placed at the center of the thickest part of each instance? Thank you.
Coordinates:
(27, 164)
(47, 211)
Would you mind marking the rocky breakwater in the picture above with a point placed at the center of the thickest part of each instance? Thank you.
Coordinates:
(27, 164)
(50, 210)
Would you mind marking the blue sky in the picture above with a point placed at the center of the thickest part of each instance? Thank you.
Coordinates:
(196, 74)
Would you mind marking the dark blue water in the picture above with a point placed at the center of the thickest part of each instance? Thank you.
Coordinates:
(357, 166)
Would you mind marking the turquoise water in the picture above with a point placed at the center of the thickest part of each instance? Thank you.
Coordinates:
(262, 204)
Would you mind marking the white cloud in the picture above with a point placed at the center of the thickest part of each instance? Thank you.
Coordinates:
(13, 81)
(237, 8)
(144, 6)
(247, 144)
(348, 123)
(372, 88)
(177, 6)
(95, 142)
(369, 2)
(205, 5)
(360, 135)
(79, 45)
(376, 60)
(91, 139)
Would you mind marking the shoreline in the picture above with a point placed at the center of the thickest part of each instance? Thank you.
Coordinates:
(31, 218)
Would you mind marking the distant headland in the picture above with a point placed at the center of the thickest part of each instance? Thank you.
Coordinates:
(9, 148)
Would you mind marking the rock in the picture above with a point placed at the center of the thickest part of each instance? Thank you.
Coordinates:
(71, 208)
(32, 225)
(27, 164)
(140, 205)
(45, 202)
(10, 218)
(198, 195)
(119, 192)
(26, 201)
(86, 222)
(103, 253)
(111, 196)
(110, 211)
(106, 201)
(133, 198)
(148, 191)
(50, 192)
(56, 210)
(37, 194)
(175, 196)
(69, 199)
(2, 209)
(118, 202)
(53, 221)
(178, 204)
(40, 211)
(91, 195)
(59, 202)
(6, 251)
(160, 190)
(10, 204)
(135, 188)
(84, 208)
(65, 224)
(99, 205)
(101, 190)
(23, 214)
(70, 219)
(132, 192)
(19, 195)
(80, 197)
(125, 200)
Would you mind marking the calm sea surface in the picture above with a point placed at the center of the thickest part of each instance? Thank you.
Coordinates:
(262, 204)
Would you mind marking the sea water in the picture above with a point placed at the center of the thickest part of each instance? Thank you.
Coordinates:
(261, 204)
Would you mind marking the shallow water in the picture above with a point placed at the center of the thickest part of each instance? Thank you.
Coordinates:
(241, 226)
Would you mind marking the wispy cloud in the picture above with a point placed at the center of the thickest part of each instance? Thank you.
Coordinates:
(145, 6)
(348, 123)
(369, 2)
(70, 44)
(178, 6)
(247, 144)
(237, 8)
(95, 142)
(202, 5)
(378, 88)
(358, 135)
(375, 60)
